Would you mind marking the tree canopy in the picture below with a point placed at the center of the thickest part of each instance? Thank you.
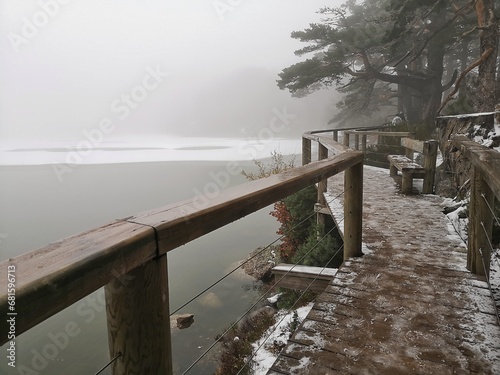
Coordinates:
(389, 56)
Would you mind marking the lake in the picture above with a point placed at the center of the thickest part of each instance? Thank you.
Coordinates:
(38, 207)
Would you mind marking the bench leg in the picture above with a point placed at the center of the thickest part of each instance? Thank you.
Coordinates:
(393, 171)
(407, 183)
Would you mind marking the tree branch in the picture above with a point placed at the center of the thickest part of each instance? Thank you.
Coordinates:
(433, 34)
(450, 83)
(476, 63)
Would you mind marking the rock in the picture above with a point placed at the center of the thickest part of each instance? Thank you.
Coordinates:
(454, 171)
(260, 263)
(211, 300)
(185, 321)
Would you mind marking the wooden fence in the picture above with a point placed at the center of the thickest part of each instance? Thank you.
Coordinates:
(485, 186)
(128, 258)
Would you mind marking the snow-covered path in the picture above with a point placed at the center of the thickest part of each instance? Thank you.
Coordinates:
(408, 306)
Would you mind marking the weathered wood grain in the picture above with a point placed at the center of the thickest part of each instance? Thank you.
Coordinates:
(138, 321)
(353, 211)
(182, 222)
(58, 275)
(487, 160)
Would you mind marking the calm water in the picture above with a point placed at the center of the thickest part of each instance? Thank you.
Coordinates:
(37, 208)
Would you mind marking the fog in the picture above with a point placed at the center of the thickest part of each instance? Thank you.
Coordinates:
(152, 68)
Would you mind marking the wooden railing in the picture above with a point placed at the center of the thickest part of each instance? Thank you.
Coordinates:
(128, 258)
(365, 133)
(485, 186)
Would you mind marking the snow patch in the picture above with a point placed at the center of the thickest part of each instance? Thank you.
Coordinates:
(303, 364)
(279, 333)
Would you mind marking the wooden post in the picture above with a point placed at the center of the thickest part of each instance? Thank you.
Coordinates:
(137, 309)
(363, 143)
(407, 182)
(322, 188)
(322, 185)
(479, 215)
(353, 211)
(306, 151)
(346, 138)
(356, 141)
(336, 135)
(430, 157)
(393, 171)
(409, 153)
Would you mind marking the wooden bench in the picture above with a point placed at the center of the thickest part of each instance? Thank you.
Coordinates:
(410, 169)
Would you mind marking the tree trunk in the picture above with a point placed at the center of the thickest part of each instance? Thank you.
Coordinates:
(488, 38)
(432, 92)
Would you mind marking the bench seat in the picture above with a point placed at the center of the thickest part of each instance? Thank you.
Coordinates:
(408, 168)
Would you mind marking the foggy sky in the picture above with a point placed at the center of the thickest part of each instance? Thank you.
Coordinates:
(150, 67)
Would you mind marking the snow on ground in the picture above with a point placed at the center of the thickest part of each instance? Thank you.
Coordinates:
(457, 226)
(279, 333)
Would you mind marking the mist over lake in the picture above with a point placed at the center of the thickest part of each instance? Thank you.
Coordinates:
(38, 209)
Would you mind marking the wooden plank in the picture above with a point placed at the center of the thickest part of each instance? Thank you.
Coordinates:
(332, 146)
(138, 321)
(353, 211)
(402, 163)
(327, 273)
(183, 222)
(301, 283)
(413, 144)
(430, 158)
(58, 275)
(347, 138)
(383, 133)
(306, 151)
(407, 181)
(487, 160)
(480, 225)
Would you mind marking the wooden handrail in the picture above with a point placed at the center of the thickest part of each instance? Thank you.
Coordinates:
(485, 186)
(58, 275)
(334, 147)
(483, 158)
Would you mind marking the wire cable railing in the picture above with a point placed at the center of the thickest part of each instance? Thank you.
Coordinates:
(492, 251)
(292, 307)
(276, 283)
(109, 363)
(264, 295)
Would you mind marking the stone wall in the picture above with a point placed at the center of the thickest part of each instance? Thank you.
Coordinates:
(453, 173)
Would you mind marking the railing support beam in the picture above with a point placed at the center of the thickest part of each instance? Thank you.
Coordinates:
(353, 211)
(430, 152)
(480, 215)
(347, 136)
(322, 188)
(306, 151)
(137, 306)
